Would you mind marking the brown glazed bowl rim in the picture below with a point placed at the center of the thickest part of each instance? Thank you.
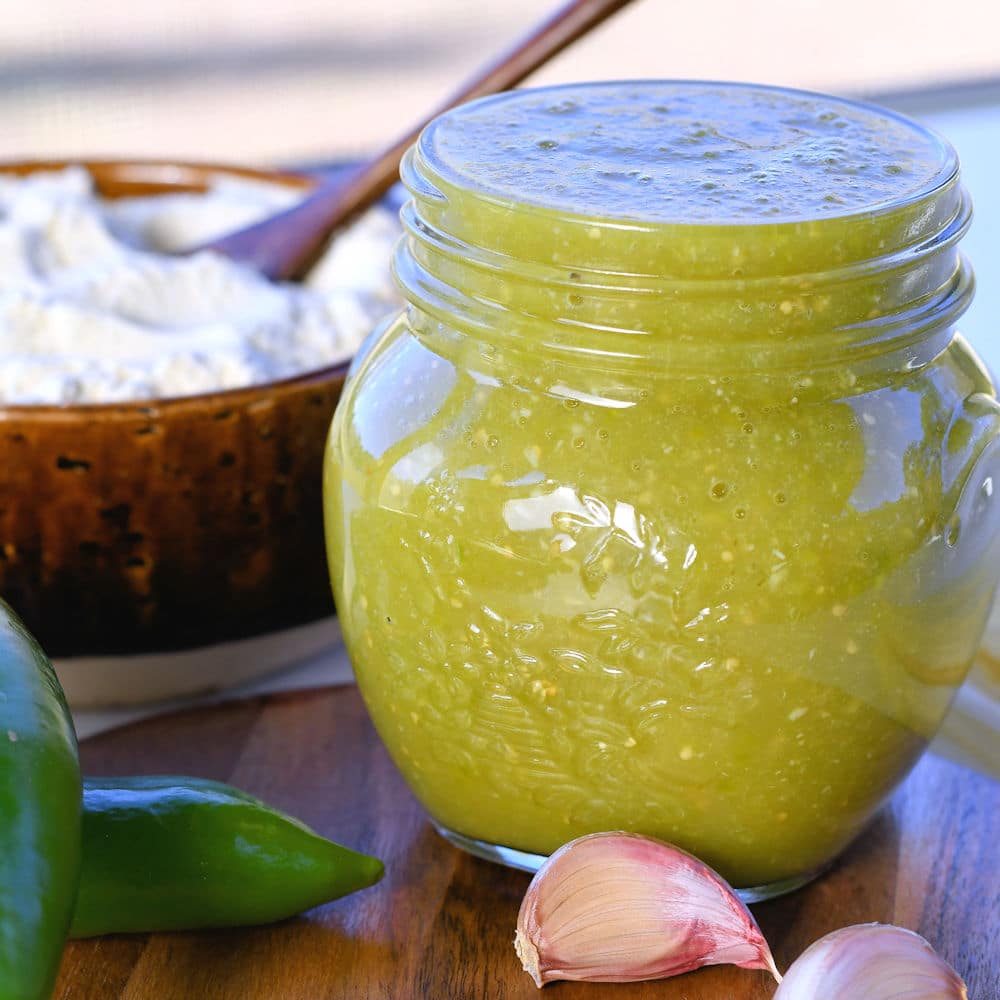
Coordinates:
(149, 177)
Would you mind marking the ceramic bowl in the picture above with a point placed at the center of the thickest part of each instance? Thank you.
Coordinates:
(172, 523)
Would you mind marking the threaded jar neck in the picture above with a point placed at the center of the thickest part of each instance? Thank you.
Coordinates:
(882, 280)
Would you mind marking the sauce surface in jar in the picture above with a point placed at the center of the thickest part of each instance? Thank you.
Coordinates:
(667, 505)
(702, 153)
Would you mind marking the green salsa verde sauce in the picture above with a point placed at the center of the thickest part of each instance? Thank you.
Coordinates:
(667, 505)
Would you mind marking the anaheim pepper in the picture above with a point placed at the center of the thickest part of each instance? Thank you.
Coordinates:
(167, 853)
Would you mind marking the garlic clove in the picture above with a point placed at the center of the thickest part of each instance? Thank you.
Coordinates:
(618, 907)
(874, 961)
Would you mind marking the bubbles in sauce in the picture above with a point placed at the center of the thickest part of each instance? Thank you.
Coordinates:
(686, 152)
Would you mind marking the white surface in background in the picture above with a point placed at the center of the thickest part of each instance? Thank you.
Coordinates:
(325, 669)
(975, 133)
(309, 80)
(123, 682)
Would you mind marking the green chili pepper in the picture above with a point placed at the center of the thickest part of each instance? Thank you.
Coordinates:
(39, 816)
(164, 853)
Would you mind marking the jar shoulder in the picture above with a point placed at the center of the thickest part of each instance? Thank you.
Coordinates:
(406, 389)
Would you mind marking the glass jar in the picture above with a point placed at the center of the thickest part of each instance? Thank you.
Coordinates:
(667, 508)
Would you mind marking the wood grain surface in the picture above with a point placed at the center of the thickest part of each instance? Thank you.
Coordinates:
(440, 924)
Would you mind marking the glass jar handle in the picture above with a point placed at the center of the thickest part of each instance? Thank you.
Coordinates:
(970, 733)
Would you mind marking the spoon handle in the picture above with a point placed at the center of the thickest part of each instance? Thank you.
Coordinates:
(284, 246)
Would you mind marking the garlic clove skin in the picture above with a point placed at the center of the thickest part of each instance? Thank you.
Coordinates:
(618, 908)
(874, 961)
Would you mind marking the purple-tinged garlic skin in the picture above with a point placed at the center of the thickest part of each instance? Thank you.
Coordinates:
(618, 907)
(873, 962)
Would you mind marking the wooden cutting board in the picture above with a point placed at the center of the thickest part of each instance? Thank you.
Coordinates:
(440, 924)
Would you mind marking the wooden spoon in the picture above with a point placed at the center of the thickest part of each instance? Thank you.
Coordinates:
(284, 246)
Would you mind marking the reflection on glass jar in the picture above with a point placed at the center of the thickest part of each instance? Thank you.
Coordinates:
(670, 513)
